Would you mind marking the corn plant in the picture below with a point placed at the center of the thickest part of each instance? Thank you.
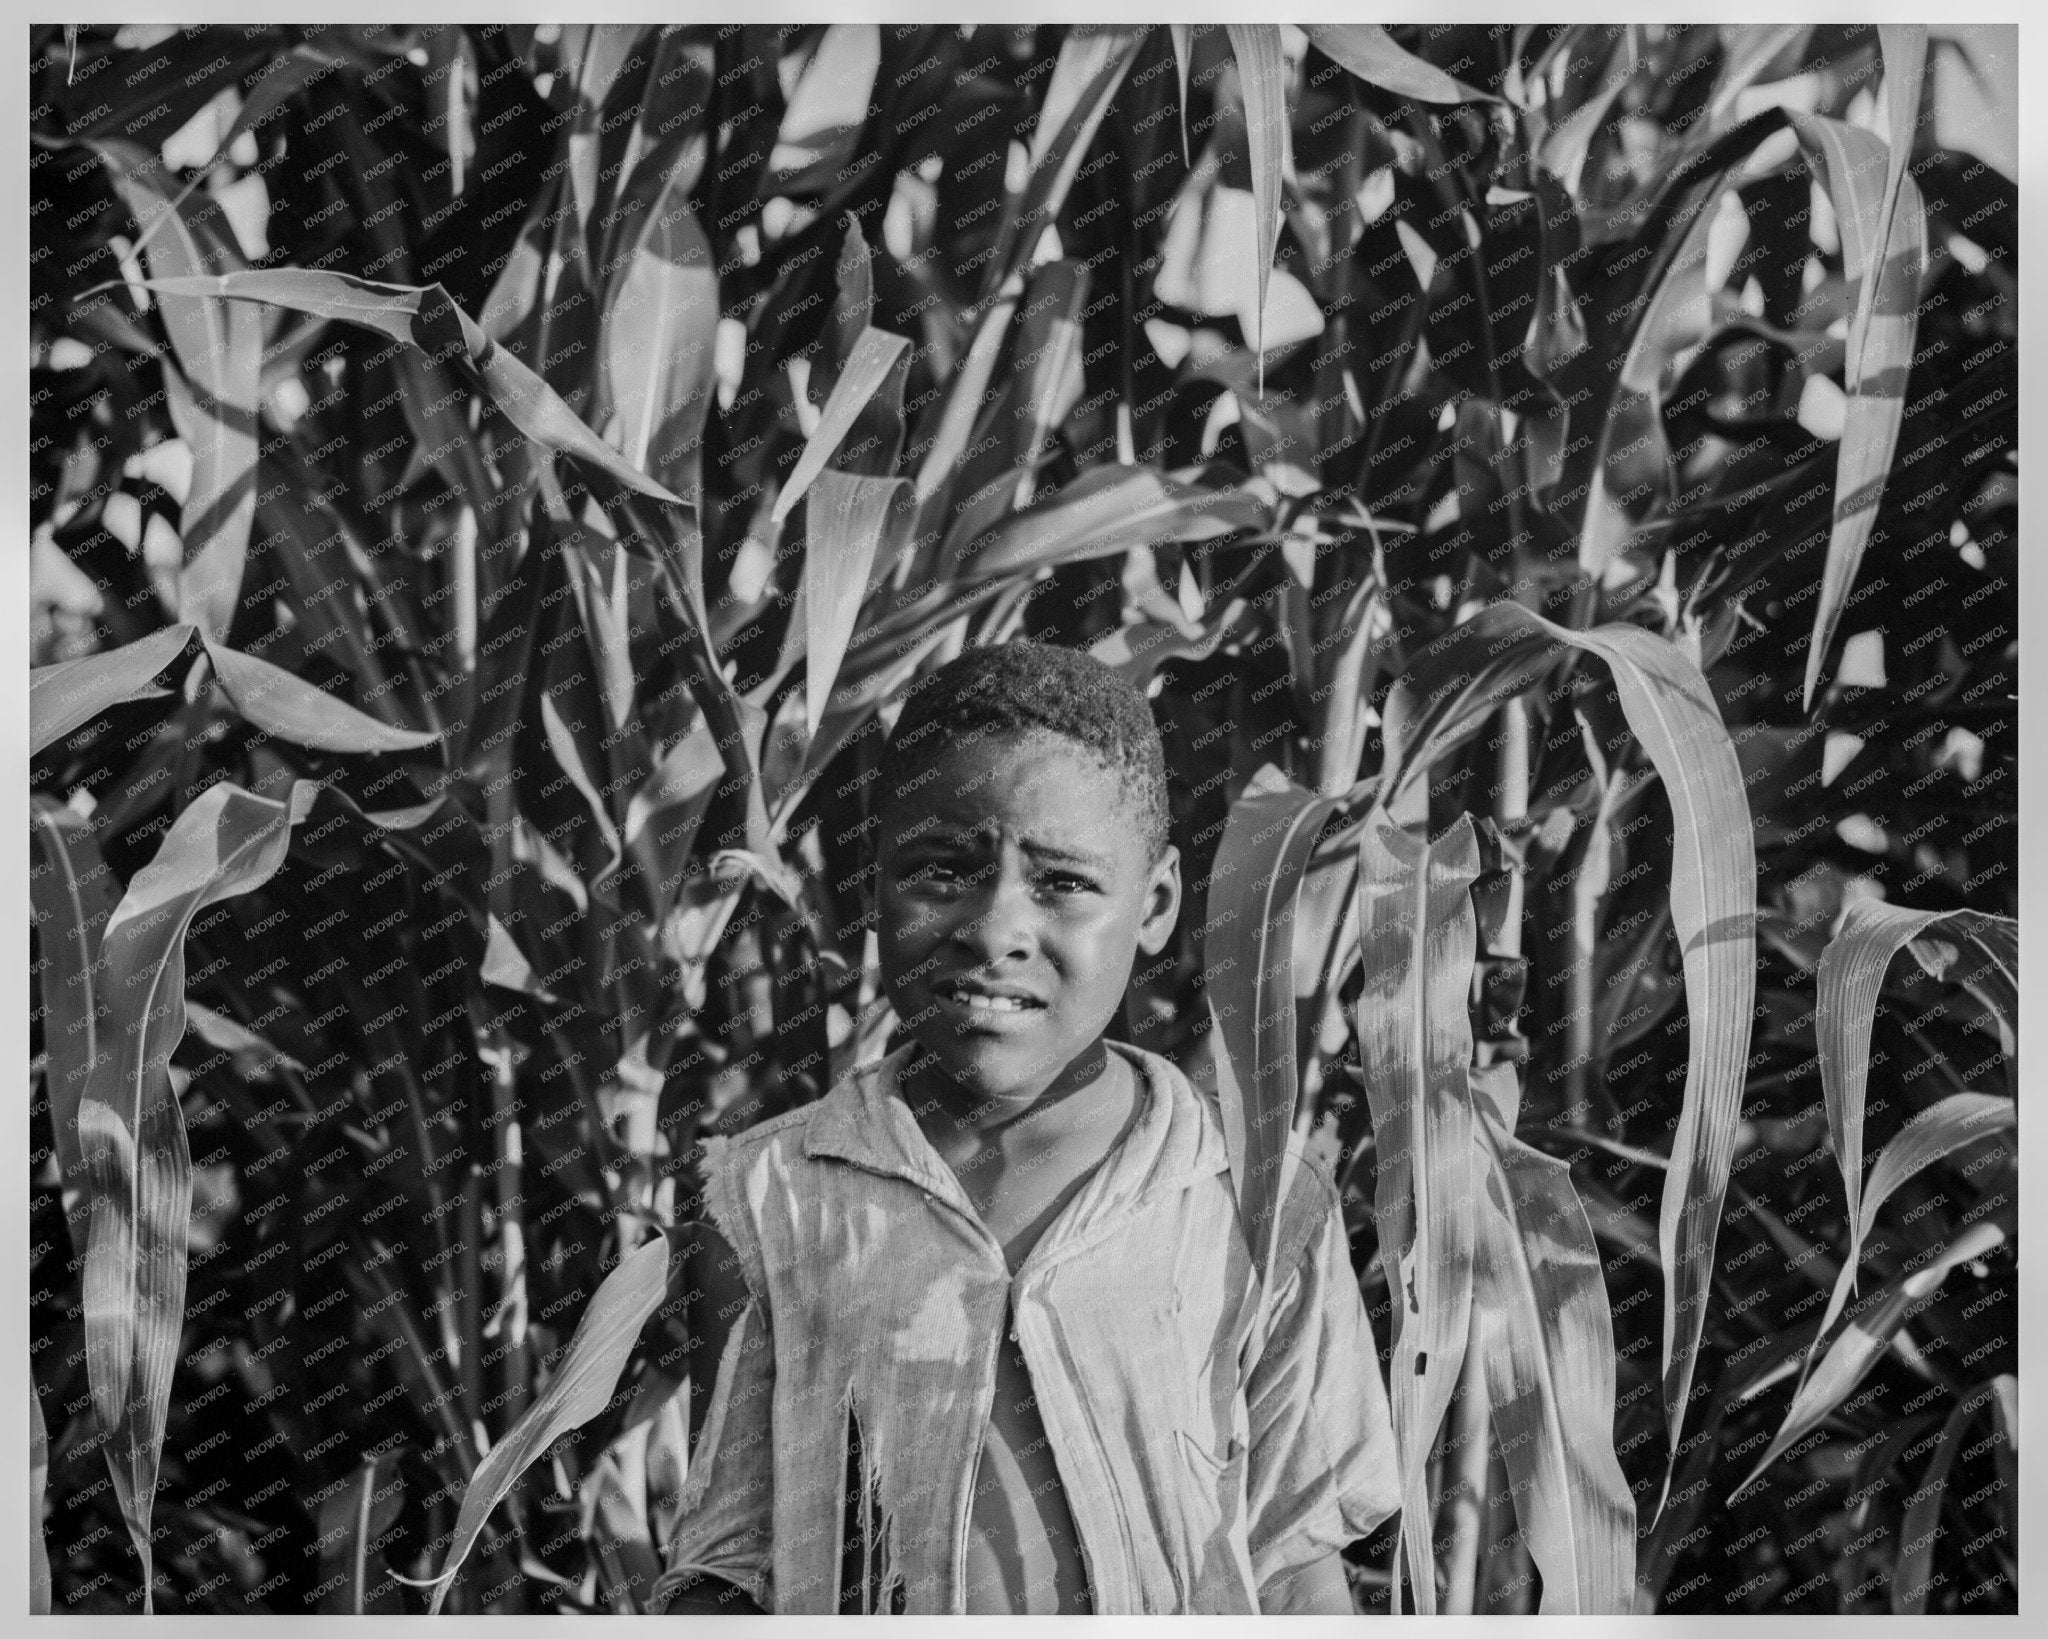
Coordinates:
(492, 484)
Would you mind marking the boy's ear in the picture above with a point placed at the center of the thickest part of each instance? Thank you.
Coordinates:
(1162, 903)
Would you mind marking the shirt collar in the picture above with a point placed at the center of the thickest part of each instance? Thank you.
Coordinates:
(1175, 1140)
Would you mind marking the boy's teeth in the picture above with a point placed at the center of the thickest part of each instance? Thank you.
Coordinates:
(1001, 1004)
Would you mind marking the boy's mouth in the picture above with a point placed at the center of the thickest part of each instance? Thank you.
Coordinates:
(987, 1000)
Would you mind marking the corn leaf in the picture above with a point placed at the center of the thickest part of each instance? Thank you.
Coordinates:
(1248, 965)
(1417, 938)
(1863, 1340)
(1911, 1576)
(1091, 65)
(580, 1388)
(1748, 49)
(1542, 1322)
(218, 346)
(1892, 241)
(1371, 53)
(1442, 700)
(132, 1132)
(1846, 984)
(846, 515)
(425, 316)
(292, 709)
(875, 356)
(1262, 81)
(659, 330)
(1049, 376)
(1106, 511)
(1957, 1121)
(72, 893)
(62, 697)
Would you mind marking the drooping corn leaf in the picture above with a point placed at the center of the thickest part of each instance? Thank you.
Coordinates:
(73, 692)
(1442, 699)
(132, 1132)
(425, 316)
(1371, 53)
(1417, 938)
(1957, 1121)
(1885, 247)
(1248, 967)
(72, 893)
(1912, 1574)
(580, 1388)
(1541, 1319)
(293, 709)
(1857, 1348)
(1262, 81)
(1847, 981)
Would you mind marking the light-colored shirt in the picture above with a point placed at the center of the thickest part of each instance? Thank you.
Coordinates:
(1207, 1447)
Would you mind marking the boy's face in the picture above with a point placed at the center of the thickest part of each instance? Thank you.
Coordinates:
(1015, 891)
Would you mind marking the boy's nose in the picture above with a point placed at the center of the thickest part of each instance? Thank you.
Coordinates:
(1000, 920)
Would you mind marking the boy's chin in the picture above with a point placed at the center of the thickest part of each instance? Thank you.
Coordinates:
(984, 1069)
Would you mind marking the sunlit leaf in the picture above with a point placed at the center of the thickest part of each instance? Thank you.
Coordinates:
(1417, 938)
(1262, 79)
(874, 356)
(847, 516)
(71, 895)
(62, 697)
(1892, 241)
(132, 1132)
(1371, 53)
(212, 395)
(1248, 942)
(579, 1389)
(278, 703)
(1442, 700)
(1847, 981)
(1541, 1319)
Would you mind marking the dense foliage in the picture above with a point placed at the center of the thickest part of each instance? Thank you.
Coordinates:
(1557, 483)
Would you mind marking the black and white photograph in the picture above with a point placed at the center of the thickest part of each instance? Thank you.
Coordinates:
(971, 817)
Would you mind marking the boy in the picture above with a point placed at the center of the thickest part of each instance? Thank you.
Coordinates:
(991, 1338)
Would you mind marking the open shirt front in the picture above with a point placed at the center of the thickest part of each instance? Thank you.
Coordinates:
(1206, 1451)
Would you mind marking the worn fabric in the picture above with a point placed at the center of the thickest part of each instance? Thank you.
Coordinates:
(1206, 1448)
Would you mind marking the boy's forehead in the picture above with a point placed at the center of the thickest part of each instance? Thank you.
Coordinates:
(1062, 788)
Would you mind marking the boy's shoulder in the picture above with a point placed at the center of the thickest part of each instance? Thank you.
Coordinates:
(786, 1137)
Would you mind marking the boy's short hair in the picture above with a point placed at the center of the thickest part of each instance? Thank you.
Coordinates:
(1024, 687)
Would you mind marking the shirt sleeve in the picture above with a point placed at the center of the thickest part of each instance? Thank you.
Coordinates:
(1322, 1471)
(727, 1504)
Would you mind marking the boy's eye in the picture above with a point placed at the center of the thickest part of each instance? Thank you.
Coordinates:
(1065, 882)
(933, 873)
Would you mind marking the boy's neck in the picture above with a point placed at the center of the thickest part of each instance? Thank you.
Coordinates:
(1020, 1168)
(943, 1104)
